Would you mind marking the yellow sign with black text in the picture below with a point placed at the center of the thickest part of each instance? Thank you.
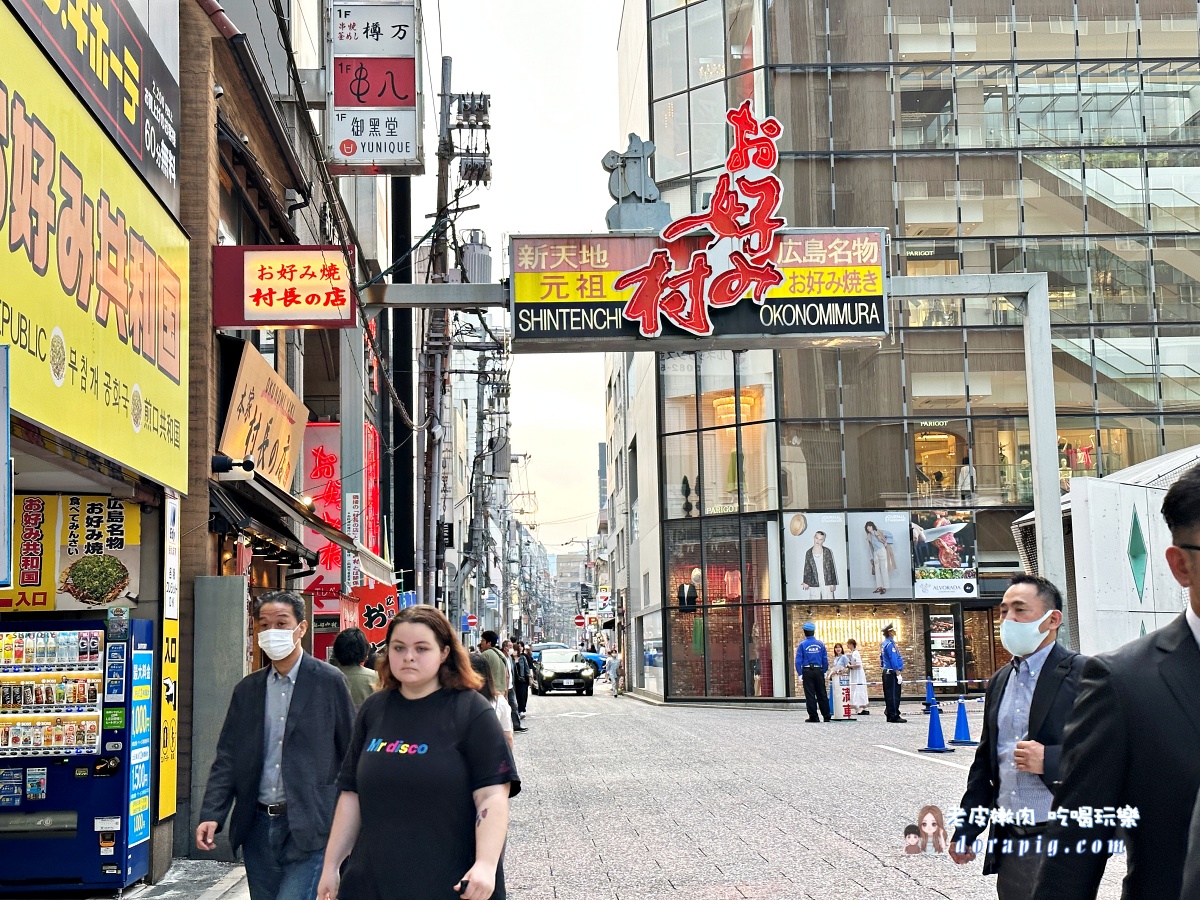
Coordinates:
(93, 277)
(168, 721)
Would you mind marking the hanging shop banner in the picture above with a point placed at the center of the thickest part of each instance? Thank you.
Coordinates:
(73, 552)
(93, 277)
(171, 557)
(168, 721)
(122, 58)
(378, 604)
(943, 546)
(730, 275)
(880, 565)
(265, 420)
(282, 286)
(323, 484)
(374, 94)
(814, 548)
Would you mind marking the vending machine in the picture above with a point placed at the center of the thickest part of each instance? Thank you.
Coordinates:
(75, 759)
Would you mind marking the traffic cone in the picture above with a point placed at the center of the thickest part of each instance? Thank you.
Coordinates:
(936, 743)
(929, 700)
(962, 731)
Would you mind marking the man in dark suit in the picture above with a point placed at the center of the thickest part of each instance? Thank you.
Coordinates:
(1016, 765)
(1130, 743)
(278, 757)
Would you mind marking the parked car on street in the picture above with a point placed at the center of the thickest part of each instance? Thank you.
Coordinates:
(562, 669)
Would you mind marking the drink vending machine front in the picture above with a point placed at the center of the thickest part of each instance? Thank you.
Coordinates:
(76, 723)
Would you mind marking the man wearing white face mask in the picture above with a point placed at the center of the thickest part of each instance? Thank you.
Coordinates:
(1016, 765)
(286, 731)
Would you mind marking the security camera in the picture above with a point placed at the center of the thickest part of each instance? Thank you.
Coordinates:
(246, 139)
(218, 92)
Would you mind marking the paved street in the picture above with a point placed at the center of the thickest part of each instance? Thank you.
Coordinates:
(637, 802)
(627, 800)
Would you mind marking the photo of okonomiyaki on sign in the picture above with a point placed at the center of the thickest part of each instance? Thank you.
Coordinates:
(944, 563)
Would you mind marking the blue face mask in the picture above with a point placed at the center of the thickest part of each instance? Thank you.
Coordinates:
(1022, 638)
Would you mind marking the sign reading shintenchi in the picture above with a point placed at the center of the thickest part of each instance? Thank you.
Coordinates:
(282, 286)
(684, 289)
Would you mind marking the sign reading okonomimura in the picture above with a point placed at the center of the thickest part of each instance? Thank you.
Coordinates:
(731, 274)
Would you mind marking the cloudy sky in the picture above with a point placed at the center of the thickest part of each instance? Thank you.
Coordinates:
(551, 68)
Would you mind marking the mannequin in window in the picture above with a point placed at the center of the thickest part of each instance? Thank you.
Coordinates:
(688, 593)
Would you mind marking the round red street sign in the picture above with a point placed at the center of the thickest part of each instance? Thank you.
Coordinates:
(472, 621)
(580, 621)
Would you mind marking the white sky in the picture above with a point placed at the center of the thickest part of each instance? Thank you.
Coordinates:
(551, 68)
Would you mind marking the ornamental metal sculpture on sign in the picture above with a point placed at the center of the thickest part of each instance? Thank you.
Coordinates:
(684, 289)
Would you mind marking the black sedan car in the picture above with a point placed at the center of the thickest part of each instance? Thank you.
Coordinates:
(562, 670)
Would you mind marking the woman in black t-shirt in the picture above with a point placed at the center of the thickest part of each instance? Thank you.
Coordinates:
(428, 774)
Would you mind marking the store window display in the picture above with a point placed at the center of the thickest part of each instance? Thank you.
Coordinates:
(864, 622)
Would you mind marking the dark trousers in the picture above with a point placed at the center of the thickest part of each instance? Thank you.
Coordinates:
(1017, 872)
(522, 690)
(512, 705)
(891, 695)
(275, 868)
(815, 697)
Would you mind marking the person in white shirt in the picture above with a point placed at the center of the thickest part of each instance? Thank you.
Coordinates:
(966, 480)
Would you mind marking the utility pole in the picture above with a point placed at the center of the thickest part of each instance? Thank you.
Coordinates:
(434, 360)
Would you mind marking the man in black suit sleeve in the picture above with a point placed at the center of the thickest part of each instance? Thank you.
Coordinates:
(278, 757)
(1130, 745)
(1016, 765)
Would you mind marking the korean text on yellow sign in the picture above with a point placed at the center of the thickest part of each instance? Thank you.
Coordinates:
(93, 277)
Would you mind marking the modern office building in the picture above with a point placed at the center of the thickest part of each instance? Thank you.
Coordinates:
(985, 136)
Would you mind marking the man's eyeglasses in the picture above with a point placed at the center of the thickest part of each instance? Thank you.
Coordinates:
(1188, 547)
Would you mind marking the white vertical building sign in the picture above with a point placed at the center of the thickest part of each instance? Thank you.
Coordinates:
(354, 529)
(374, 88)
(171, 558)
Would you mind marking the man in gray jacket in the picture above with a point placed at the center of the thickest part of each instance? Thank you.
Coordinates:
(278, 757)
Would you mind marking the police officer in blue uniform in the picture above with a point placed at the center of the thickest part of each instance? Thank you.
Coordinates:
(891, 664)
(811, 664)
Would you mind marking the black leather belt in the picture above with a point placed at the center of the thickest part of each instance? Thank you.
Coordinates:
(1026, 830)
(274, 809)
(811, 667)
(890, 671)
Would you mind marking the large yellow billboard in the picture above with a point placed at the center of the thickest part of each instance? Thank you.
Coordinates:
(93, 277)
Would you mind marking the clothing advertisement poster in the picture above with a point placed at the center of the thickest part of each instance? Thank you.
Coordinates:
(880, 562)
(943, 545)
(814, 550)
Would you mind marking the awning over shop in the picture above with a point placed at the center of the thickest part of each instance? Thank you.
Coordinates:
(222, 505)
(373, 566)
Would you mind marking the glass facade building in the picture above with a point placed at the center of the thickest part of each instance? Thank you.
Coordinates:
(987, 136)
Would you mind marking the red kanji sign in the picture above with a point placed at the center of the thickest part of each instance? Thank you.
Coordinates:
(741, 218)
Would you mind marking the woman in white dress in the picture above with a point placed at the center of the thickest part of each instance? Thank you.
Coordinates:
(858, 680)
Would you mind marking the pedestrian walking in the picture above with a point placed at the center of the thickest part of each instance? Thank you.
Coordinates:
(350, 653)
(489, 645)
(858, 680)
(612, 668)
(1026, 706)
(966, 480)
(812, 661)
(522, 675)
(892, 665)
(427, 769)
(510, 664)
(1130, 741)
(488, 691)
(285, 733)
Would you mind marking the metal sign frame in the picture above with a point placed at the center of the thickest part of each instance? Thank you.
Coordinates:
(6, 482)
(339, 164)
